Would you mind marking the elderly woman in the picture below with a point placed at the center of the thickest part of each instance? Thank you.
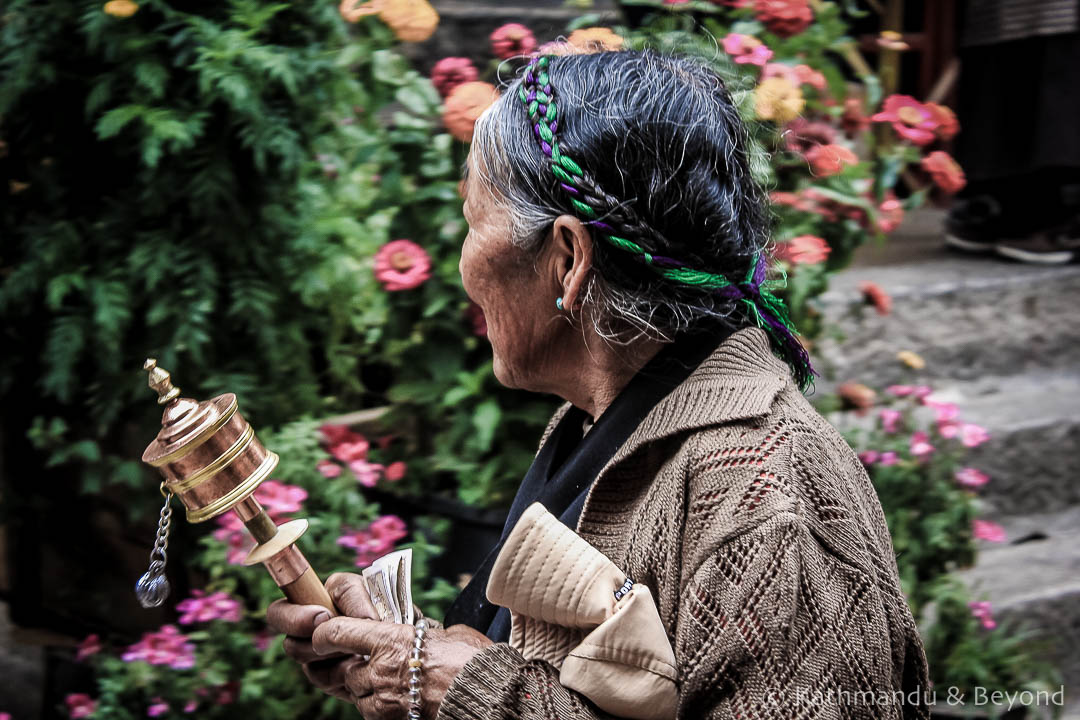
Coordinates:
(617, 247)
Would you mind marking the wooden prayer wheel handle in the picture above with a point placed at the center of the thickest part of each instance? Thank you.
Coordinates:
(309, 590)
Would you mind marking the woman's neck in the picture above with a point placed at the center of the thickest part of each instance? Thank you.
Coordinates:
(595, 372)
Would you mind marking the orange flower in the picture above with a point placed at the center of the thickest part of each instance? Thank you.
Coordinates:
(874, 295)
(595, 39)
(411, 20)
(826, 160)
(912, 359)
(948, 125)
(777, 99)
(121, 8)
(856, 395)
(464, 105)
(943, 169)
(803, 250)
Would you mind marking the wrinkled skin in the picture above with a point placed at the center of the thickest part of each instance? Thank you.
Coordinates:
(535, 347)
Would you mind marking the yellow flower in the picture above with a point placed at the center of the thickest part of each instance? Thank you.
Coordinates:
(121, 8)
(911, 359)
(777, 99)
(411, 20)
(595, 39)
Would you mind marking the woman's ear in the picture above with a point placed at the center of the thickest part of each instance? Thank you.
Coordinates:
(572, 247)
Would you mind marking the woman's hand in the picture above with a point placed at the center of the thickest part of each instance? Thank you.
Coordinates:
(334, 652)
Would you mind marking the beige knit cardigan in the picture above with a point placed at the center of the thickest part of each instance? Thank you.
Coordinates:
(760, 535)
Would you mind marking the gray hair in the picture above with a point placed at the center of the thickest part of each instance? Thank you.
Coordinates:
(663, 139)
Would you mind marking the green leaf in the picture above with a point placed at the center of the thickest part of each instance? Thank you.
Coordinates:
(388, 67)
(112, 122)
(486, 420)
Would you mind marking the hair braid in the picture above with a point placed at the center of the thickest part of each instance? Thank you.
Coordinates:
(621, 227)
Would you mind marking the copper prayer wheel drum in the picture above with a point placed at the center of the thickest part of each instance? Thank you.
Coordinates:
(206, 451)
(209, 457)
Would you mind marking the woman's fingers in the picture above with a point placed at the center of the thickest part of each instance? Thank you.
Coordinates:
(350, 595)
(362, 637)
(295, 620)
(300, 650)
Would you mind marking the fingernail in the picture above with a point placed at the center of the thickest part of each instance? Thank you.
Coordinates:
(321, 618)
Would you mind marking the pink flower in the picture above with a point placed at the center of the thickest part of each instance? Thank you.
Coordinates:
(157, 707)
(263, 639)
(80, 705)
(890, 420)
(367, 473)
(986, 530)
(972, 435)
(900, 390)
(922, 392)
(826, 160)
(981, 610)
(353, 447)
(910, 118)
(227, 693)
(167, 646)
(948, 429)
(920, 445)
(204, 608)
(334, 434)
(809, 76)
(747, 49)
(389, 527)
(394, 471)
(280, 499)
(402, 265)
(4, 715)
(475, 314)
(783, 71)
(238, 544)
(969, 477)
(376, 539)
(450, 72)
(803, 250)
(328, 469)
(190, 706)
(853, 120)
(889, 457)
(869, 457)
(943, 411)
(512, 40)
(91, 645)
(801, 135)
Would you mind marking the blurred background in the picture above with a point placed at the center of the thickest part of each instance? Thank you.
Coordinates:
(264, 197)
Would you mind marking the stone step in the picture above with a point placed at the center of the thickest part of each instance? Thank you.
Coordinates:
(1034, 581)
(1032, 455)
(967, 316)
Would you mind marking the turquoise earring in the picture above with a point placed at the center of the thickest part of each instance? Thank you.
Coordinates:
(558, 302)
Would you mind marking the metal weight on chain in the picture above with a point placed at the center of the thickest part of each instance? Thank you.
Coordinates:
(153, 587)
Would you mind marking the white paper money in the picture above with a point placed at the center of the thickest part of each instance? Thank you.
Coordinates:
(389, 583)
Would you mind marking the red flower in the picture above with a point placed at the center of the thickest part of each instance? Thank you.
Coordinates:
(854, 120)
(91, 645)
(80, 705)
(803, 250)
(450, 72)
(402, 265)
(394, 471)
(943, 169)
(512, 40)
(874, 295)
(784, 17)
(826, 160)
(910, 118)
(948, 125)
(986, 530)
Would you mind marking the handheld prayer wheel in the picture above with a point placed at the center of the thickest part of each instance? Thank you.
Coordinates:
(211, 460)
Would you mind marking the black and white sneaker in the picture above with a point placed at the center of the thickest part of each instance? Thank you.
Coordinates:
(1058, 245)
(974, 225)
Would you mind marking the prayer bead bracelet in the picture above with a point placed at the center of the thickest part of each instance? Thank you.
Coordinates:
(415, 665)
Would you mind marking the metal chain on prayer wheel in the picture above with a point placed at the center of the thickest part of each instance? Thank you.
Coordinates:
(212, 461)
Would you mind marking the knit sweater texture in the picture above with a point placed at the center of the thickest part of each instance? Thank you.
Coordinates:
(762, 539)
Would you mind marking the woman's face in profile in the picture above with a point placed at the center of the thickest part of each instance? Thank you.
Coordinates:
(518, 306)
